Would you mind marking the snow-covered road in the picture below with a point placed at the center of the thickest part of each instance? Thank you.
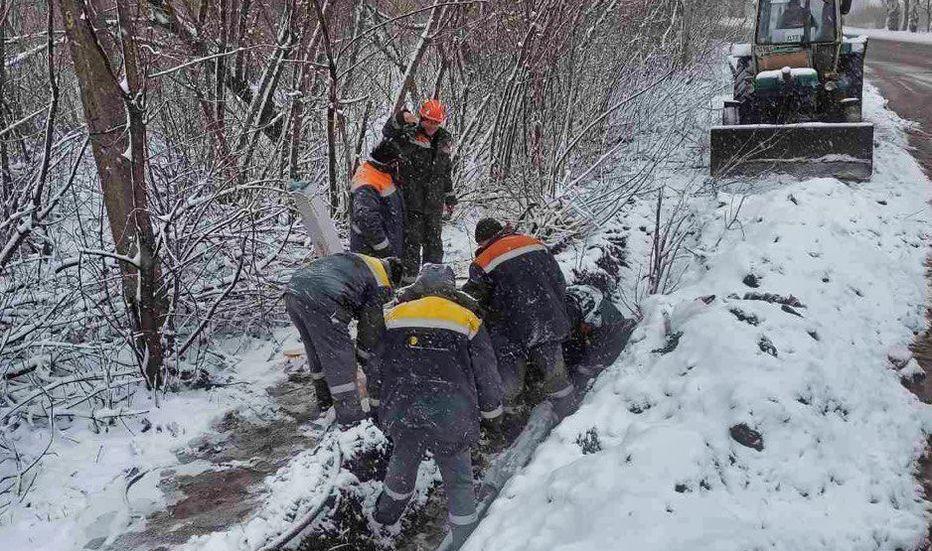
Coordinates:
(814, 377)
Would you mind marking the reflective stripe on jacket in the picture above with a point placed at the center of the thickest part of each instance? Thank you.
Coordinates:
(377, 219)
(343, 285)
(438, 373)
(520, 284)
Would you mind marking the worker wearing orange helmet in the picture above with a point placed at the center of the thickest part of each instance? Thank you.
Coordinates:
(426, 180)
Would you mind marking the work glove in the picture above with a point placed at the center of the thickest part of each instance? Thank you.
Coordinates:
(491, 426)
(494, 433)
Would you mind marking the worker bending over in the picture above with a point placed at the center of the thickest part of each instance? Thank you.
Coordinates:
(521, 288)
(321, 300)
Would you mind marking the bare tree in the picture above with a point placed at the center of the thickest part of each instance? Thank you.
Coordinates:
(114, 107)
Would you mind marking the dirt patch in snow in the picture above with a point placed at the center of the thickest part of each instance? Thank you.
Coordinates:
(240, 453)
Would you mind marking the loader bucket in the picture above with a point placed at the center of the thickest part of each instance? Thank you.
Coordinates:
(840, 150)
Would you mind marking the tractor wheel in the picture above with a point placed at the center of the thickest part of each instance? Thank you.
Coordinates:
(854, 113)
(744, 79)
(852, 67)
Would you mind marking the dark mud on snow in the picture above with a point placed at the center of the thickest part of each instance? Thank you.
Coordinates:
(241, 453)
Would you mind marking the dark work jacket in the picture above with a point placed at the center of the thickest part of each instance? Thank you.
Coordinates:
(599, 332)
(438, 373)
(346, 286)
(425, 173)
(377, 221)
(519, 284)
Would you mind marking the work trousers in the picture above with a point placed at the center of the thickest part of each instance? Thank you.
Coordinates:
(547, 357)
(423, 240)
(330, 355)
(455, 470)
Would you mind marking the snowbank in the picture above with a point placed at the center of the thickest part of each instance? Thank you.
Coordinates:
(897, 36)
(649, 460)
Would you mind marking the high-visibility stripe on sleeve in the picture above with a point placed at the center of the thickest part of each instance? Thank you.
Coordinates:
(492, 414)
(382, 245)
(317, 376)
(562, 393)
(364, 354)
(339, 389)
(397, 496)
(378, 270)
(463, 520)
(433, 313)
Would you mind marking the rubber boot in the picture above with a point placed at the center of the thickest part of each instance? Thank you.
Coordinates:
(348, 411)
(322, 392)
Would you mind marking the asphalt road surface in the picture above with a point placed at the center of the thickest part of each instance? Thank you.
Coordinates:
(903, 72)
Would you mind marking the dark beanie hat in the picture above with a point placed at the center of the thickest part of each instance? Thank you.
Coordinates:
(385, 153)
(487, 228)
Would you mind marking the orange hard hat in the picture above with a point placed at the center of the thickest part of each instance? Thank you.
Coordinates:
(433, 110)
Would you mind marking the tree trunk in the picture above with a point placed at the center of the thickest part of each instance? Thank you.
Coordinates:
(423, 42)
(332, 108)
(893, 15)
(116, 122)
(906, 11)
(913, 17)
(6, 185)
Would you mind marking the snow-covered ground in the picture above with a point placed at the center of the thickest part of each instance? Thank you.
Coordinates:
(96, 486)
(898, 36)
(839, 436)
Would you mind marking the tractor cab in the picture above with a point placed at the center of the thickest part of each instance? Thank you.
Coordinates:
(798, 22)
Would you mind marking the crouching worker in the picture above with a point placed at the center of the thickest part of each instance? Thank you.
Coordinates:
(598, 333)
(520, 286)
(321, 300)
(378, 217)
(439, 379)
